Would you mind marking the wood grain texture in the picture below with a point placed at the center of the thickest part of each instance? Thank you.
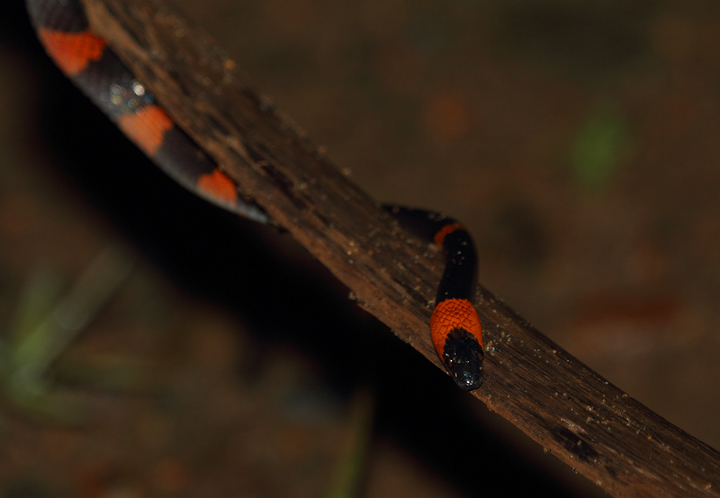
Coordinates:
(588, 423)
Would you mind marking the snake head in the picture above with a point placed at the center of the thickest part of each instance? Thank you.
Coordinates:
(463, 358)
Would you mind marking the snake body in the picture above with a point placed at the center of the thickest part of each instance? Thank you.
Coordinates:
(86, 59)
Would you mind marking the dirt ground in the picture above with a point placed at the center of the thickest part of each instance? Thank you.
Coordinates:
(579, 142)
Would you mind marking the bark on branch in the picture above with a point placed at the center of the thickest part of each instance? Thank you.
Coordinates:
(588, 423)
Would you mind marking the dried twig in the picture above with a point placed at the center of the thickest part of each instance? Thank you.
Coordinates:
(570, 410)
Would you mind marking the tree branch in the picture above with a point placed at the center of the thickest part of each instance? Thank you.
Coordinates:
(591, 425)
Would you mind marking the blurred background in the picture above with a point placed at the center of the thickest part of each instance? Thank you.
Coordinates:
(205, 356)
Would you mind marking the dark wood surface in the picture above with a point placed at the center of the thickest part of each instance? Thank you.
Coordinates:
(575, 414)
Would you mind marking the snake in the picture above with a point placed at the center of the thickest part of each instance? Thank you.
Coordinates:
(90, 63)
